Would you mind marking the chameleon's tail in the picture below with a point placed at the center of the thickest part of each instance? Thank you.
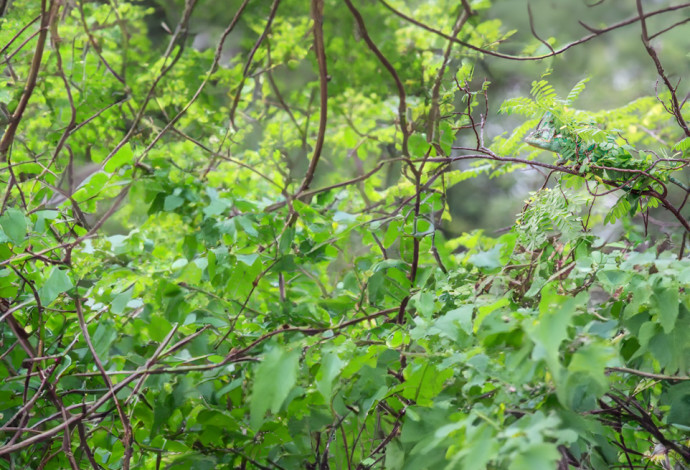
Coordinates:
(679, 183)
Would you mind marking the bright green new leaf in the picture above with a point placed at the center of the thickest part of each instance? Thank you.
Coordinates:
(485, 310)
(121, 157)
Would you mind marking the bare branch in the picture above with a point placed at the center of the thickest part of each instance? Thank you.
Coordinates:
(47, 16)
(582, 40)
(675, 106)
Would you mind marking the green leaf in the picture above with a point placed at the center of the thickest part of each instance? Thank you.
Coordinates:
(418, 145)
(586, 379)
(13, 223)
(542, 456)
(122, 156)
(665, 298)
(682, 145)
(41, 217)
(286, 239)
(678, 396)
(275, 377)
(575, 92)
(551, 328)
(57, 283)
(485, 310)
(392, 233)
(331, 365)
(487, 259)
(424, 303)
(247, 259)
(103, 337)
(247, 225)
(613, 278)
(117, 306)
(172, 202)
(454, 321)
(94, 186)
(193, 462)
(163, 408)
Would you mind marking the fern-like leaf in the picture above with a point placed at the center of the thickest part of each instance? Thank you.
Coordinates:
(575, 92)
(682, 145)
(521, 105)
(543, 92)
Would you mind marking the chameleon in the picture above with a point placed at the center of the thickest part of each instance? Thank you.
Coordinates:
(552, 136)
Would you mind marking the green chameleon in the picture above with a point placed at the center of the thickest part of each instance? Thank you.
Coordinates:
(642, 173)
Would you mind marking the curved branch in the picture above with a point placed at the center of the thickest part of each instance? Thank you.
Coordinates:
(675, 106)
(8, 137)
(584, 39)
(320, 52)
(386, 63)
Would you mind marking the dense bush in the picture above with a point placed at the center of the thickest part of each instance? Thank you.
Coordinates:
(235, 257)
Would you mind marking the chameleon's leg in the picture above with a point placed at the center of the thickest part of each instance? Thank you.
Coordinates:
(634, 201)
(679, 183)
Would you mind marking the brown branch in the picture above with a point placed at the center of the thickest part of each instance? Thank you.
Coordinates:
(127, 427)
(19, 33)
(434, 112)
(675, 106)
(678, 23)
(402, 107)
(584, 39)
(320, 52)
(95, 45)
(8, 136)
(250, 57)
(534, 32)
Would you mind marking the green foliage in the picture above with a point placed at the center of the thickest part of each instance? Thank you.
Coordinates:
(178, 291)
(604, 156)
